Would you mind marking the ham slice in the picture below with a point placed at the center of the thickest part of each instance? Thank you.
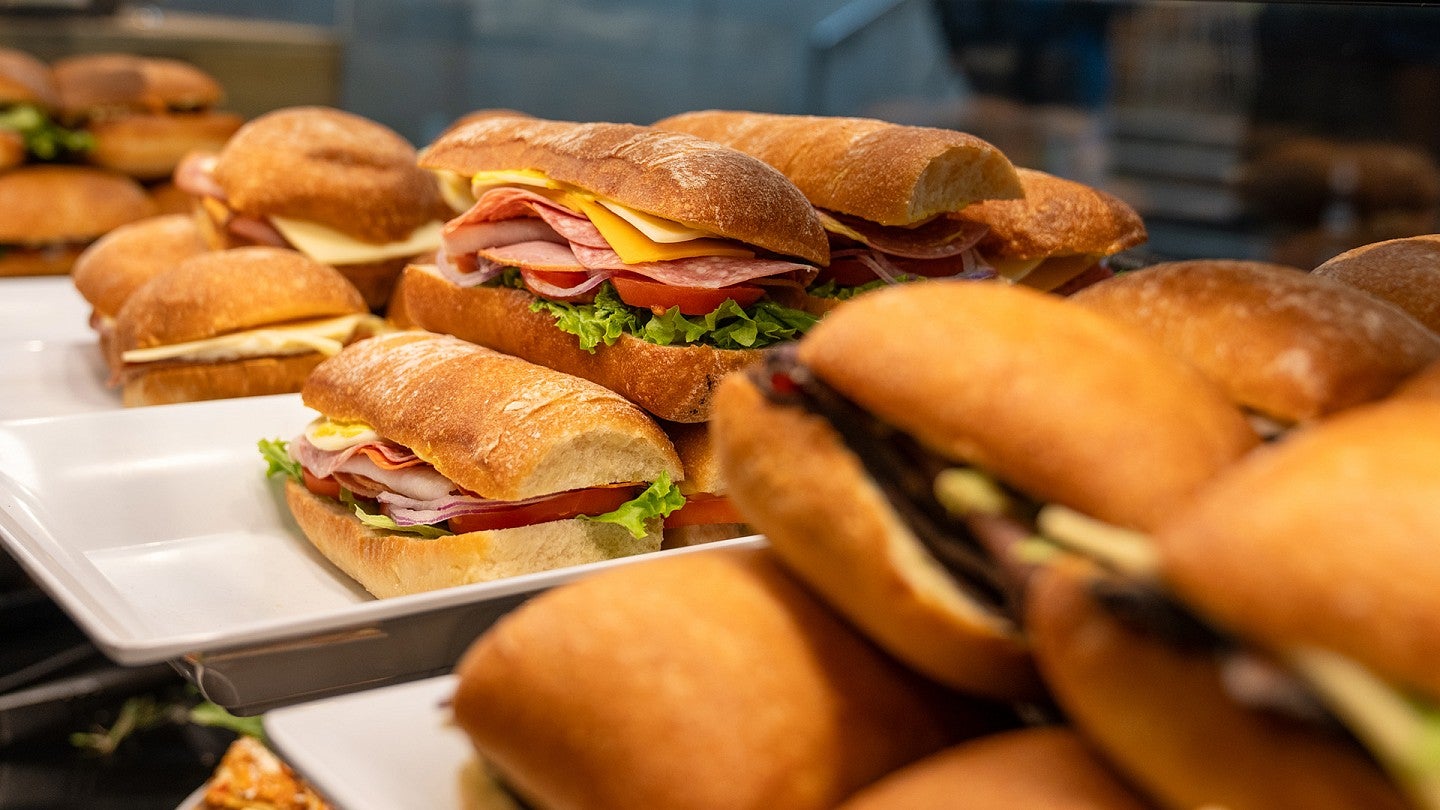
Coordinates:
(706, 272)
(403, 472)
(937, 239)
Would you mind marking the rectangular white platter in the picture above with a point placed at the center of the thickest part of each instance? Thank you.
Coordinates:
(43, 308)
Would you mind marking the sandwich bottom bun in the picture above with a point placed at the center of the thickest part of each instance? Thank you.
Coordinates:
(479, 789)
(395, 564)
(702, 533)
(12, 149)
(53, 260)
(192, 382)
(375, 280)
(703, 680)
(1048, 768)
(150, 146)
(1164, 718)
(835, 529)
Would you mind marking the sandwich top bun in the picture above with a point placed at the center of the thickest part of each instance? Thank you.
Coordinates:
(883, 172)
(1033, 389)
(672, 175)
(104, 84)
(705, 680)
(1405, 272)
(116, 264)
(1343, 514)
(54, 204)
(1048, 767)
(1280, 341)
(592, 436)
(25, 80)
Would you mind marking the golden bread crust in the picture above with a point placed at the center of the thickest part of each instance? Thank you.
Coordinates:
(194, 382)
(1424, 383)
(708, 680)
(1048, 767)
(668, 174)
(219, 292)
(116, 264)
(693, 443)
(45, 204)
(526, 430)
(1056, 217)
(375, 280)
(672, 382)
(326, 166)
(883, 172)
(1164, 717)
(793, 479)
(25, 80)
(1287, 343)
(94, 82)
(1343, 513)
(149, 146)
(391, 564)
(1034, 389)
(1405, 272)
(55, 260)
(12, 150)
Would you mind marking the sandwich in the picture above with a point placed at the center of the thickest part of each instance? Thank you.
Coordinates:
(142, 113)
(118, 263)
(233, 323)
(28, 130)
(436, 463)
(1284, 629)
(1058, 236)
(1405, 272)
(708, 514)
(1040, 767)
(651, 262)
(1423, 383)
(704, 680)
(339, 188)
(885, 192)
(1288, 346)
(901, 478)
(52, 213)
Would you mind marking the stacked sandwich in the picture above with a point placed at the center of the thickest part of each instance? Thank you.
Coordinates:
(1059, 568)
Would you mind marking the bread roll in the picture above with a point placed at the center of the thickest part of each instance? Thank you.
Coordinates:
(115, 265)
(1405, 272)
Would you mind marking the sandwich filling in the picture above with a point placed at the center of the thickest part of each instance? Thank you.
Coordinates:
(391, 488)
(605, 269)
(865, 255)
(989, 537)
(45, 140)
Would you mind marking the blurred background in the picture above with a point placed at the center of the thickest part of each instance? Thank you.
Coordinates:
(1287, 131)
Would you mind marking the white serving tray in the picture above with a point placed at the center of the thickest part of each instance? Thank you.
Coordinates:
(43, 308)
(54, 378)
(157, 531)
(385, 749)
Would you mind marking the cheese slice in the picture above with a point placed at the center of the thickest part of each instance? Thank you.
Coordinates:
(329, 246)
(455, 190)
(325, 336)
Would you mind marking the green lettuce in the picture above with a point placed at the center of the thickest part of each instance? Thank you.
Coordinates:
(277, 456)
(44, 138)
(841, 292)
(658, 500)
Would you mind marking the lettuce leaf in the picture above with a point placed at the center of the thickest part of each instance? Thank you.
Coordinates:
(841, 292)
(278, 459)
(44, 138)
(658, 500)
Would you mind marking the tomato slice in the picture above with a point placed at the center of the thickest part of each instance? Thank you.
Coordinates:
(560, 506)
(704, 508)
(326, 487)
(658, 297)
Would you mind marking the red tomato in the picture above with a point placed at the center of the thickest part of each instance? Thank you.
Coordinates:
(848, 271)
(642, 292)
(560, 506)
(700, 509)
(326, 487)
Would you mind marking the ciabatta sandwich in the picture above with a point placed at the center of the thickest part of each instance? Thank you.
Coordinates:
(52, 213)
(436, 463)
(28, 131)
(708, 514)
(1405, 272)
(651, 262)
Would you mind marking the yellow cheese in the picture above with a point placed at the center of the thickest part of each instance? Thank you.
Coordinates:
(329, 246)
(1012, 269)
(325, 336)
(455, 190)
(634, 246)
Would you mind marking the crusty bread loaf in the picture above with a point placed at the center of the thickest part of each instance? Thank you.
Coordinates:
(330, 167)
(395, 564)
(708, 680)
(12, 150)
(39, 261)
(116, 264)
(164, 384)
(1047, 767)
(794, 480)
(673, 382)
(50, 204)
(149, 146)
(1344, 514)
(1283, 342)
(25, 80)
(1405, 272)
(219, 292)
(672, 175)
(1163, 716)
(1040, 392)
(497, 425)
(1056, 217)
(876, 170)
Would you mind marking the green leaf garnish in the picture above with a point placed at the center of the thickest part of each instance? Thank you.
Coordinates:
(277, 457)
(44, 138)
(658, 500)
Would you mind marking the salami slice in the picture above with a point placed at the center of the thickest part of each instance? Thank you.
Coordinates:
(937, 239)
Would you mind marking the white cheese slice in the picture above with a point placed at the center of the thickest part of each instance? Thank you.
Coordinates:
(657, 229)
(455, 190)
(325, 336)
(329, 246)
